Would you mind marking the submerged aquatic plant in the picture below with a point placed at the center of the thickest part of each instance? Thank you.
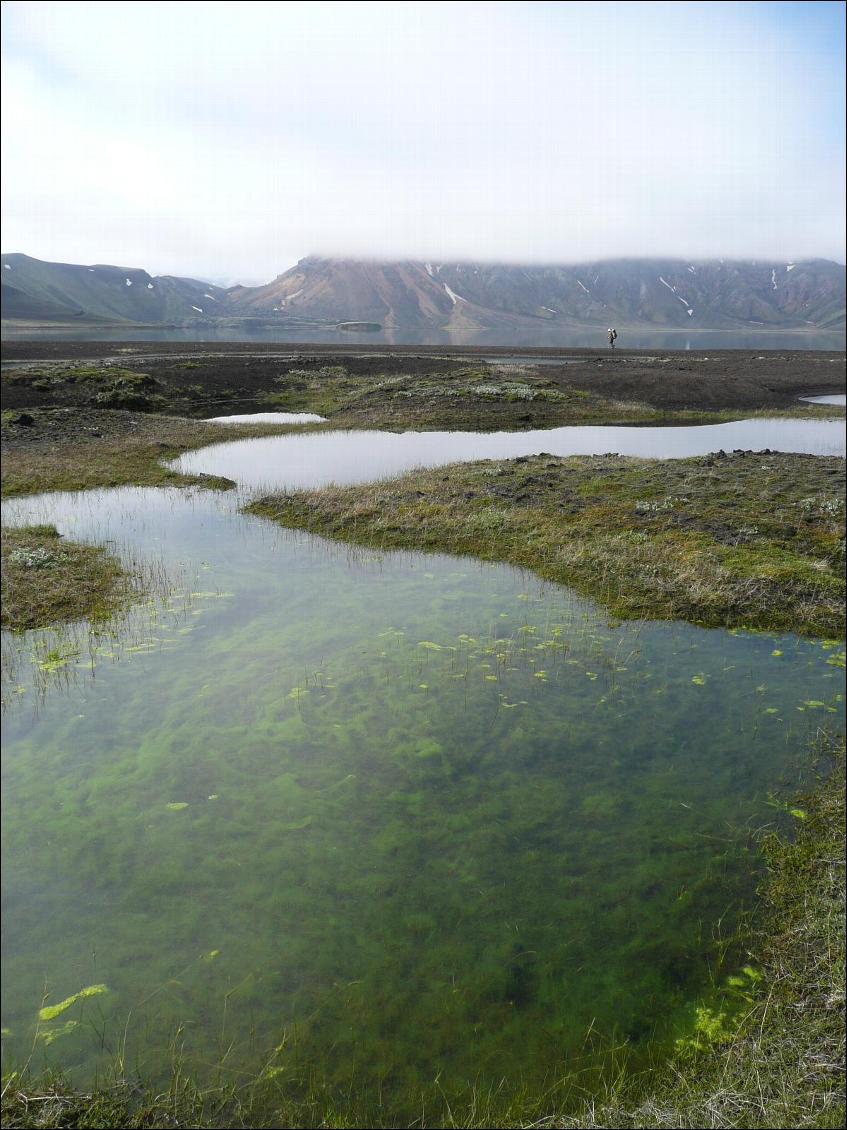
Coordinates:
(49, 1013)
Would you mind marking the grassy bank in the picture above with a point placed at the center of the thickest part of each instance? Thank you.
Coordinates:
(47, 580)
(773, 1058)
(753, 540)
(66, 449)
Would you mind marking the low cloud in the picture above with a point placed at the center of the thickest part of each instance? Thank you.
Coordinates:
(233, 139)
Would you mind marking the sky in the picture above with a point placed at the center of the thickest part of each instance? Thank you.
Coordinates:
(228, 140)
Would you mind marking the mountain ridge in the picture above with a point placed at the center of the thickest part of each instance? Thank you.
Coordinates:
(459, 296)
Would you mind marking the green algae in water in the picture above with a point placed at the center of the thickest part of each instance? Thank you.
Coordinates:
(437, 827)
(50, 1012)
(49, 1036)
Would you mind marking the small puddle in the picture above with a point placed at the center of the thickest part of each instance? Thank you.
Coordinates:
(269, 418)
(839, 398)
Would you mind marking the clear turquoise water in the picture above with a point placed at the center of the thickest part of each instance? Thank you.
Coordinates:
(433, 816)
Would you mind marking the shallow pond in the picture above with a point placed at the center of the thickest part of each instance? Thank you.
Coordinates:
(406, 814)
(302, 461)
(434, 814)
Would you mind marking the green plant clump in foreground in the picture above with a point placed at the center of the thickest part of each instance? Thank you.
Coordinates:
(740, 540)
(48, 580)
(778, 1063)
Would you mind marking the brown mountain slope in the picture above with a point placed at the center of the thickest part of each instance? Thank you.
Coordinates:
(452, 296)
(459, 298)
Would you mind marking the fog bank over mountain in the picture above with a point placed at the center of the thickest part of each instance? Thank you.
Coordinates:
(232, 140)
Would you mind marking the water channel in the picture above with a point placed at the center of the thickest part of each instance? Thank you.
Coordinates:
(317, 458)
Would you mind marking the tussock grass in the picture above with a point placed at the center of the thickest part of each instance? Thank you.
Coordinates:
(48, 580)
(746, 540)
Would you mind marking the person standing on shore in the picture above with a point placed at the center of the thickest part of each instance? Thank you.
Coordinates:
(613, 334)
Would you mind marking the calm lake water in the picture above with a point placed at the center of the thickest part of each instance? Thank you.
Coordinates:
(410, 814)
(306, 460)
(538, 338)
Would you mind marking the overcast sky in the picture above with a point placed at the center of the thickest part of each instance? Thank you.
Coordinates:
(227, 140)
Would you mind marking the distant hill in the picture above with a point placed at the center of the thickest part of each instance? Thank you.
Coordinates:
(36, 290)
(455, 297)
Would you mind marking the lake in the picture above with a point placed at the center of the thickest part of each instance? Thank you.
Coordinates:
(545, 337)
